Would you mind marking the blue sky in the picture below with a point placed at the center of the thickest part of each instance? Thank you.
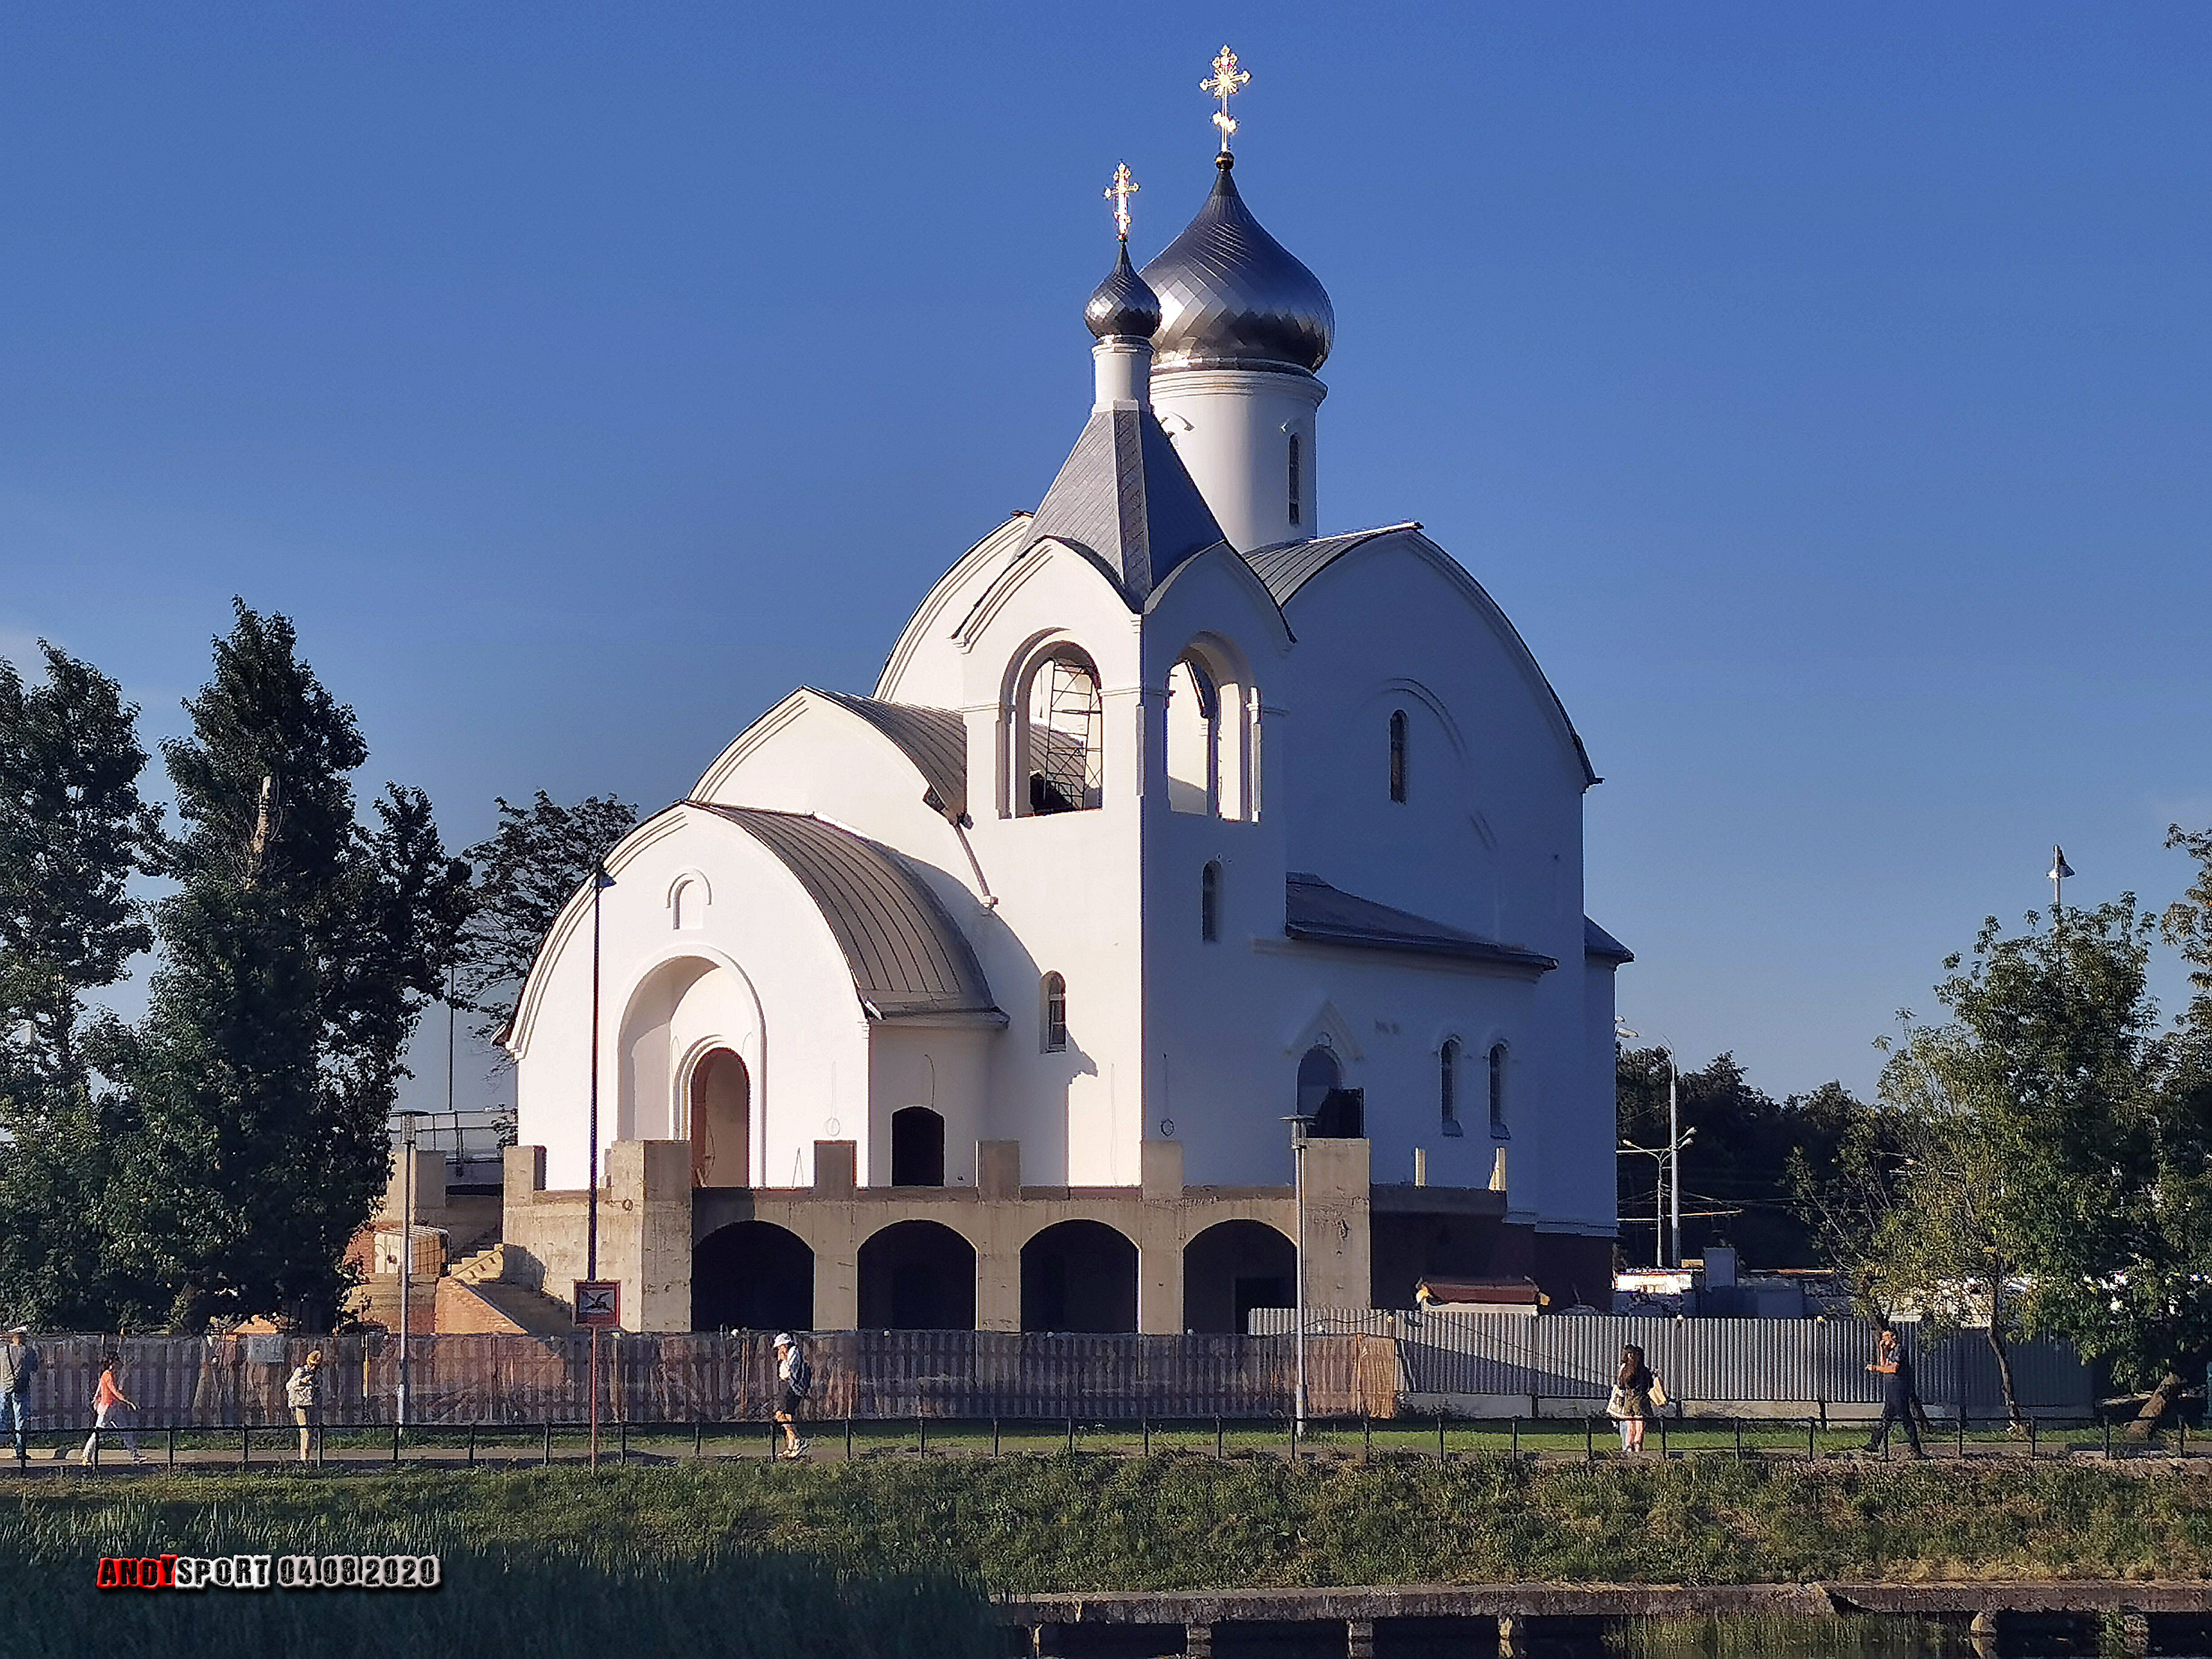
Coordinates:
(1823, 392)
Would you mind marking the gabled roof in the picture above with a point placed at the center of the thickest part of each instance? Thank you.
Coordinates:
(907, 957)
(934, 739)
(1603, 947)
(1323, 915)
(1124, 498)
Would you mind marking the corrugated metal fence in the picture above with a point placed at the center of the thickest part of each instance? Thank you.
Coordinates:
(192, 1382)
(1570, 1361)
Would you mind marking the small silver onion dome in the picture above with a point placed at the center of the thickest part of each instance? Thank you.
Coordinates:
(1123, 304)
(1234, 297)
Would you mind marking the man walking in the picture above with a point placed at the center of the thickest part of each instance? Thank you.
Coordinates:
(19, 1363)
(797, 1377)
(1894, 1367)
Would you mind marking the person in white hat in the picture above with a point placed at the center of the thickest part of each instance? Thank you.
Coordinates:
(797, 1377)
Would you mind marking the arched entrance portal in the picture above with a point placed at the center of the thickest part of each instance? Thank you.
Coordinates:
(1233, 1267)
(917, 1276)
(754, 1276)
(917, 1148)
(721, 1118)
(1079, 1276)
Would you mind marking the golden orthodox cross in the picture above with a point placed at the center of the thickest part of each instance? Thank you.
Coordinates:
(1122, 190)
(1225, 84)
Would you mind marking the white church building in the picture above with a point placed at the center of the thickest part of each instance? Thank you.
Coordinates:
(983, 1001)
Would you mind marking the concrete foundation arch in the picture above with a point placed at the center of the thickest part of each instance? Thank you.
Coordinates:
(917, 1276)
(752, 1275)
(1232, 1267)
(1079, 1276)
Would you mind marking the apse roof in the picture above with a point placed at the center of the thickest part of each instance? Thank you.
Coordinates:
(934, 739)
(907, 956)
(1315, 911)
(1286, 567)
(1596, 942)
(1124, 497)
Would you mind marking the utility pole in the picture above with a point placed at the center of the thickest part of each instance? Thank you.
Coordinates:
(1299, 1124)
(600, 881)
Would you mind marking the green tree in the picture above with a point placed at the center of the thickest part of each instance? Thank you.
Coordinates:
(529, 866)
(298, 951)
(1736, 1175)
(73, 831)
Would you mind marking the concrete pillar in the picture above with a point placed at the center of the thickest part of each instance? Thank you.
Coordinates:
(429, 1190)
(1359, 1639)
(998, 1168)
(645, 1232)
(1198, 1642)
(1339, 1273)
(1159, 1241)
(837, 1273)
(998, 1283)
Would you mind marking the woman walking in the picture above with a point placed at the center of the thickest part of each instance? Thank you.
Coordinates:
(108, 1399)
(1637, 1394)
(301, 1393)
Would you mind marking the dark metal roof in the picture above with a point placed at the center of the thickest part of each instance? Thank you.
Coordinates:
(1596, 942)
(1123, 305)
(1231, 296)
(1124, 498)
(907, 956)
(934, 739)
(1286, 567)
(1315, 911)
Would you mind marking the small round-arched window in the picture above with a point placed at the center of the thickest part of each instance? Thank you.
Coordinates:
(1054, 1033)
(1448, 1085)
(1398, 755)
(1209, 901)
(1497, 1088)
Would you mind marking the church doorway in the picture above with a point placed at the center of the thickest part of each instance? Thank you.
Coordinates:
(1232, 1267)
(917, 1148)
(1079, 1276)
(917, 1276)
(752, 1276)
(721, 1117)
(1335, 1112)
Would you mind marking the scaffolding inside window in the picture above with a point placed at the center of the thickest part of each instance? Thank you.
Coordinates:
(1066, 736)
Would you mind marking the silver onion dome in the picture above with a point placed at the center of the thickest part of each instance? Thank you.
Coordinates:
(1233, 297)
(1123, 304)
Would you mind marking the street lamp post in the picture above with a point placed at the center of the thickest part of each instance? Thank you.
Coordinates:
(1299, 1123)
(1670, 1161)
(406, 1253)
(600, 881)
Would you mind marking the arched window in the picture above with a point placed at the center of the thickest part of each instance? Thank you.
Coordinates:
(687, 905)
(1448, 1085)
(1333, 1112)
(1295, 478)
(1209, 901)
(1055, 1014)
(1194, 738)
(1497, 1088)
(1062, 737)
(1398, 755)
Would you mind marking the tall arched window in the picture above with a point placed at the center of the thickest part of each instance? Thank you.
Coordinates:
(1209, 901)
(1055, 1014)
(1497, 1088)
(1060, 737)
(1448, 1085)
(1194, 738)
(1296, 479)
(1398, 755)
(917, 1148)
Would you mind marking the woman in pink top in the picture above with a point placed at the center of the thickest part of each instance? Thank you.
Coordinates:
(106, 1400)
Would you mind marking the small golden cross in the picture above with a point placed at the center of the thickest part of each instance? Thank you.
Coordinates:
(1225, 84)
(1122, 190)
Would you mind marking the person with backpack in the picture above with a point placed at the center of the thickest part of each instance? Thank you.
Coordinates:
(797, 1377)
(303, 1393)
(19, 1363)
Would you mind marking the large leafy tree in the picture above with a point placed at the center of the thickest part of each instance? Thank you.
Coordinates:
(2082, 1134)
(73, 829)
(299, 949)
(526, 870)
